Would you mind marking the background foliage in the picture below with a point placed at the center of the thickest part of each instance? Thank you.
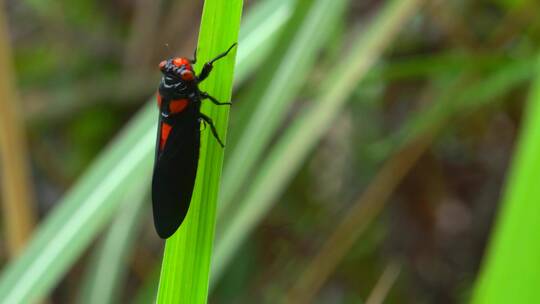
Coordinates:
(368, 151)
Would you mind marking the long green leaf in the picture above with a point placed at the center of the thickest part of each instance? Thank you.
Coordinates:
(259, 32)
(108, 267)
(186, 262)
(82, 213)
(93, 201)
(257, 36)
(288, 154)
(510, 271)
(371, 203)
(278, 95)
(508, 75)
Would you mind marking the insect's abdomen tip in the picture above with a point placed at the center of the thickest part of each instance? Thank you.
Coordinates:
(165, 233)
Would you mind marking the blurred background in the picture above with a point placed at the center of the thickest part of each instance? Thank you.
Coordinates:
(390, 198)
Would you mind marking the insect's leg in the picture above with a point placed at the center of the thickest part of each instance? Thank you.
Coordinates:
(204, 123)
(207, 68)
(209, 121)
(205, 95)
(222, 54)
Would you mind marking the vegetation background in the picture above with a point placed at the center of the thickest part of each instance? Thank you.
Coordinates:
(371, 145)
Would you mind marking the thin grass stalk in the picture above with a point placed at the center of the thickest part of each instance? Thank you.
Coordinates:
(186, 263)
(358, 218)
(18, 215)
(383, 286)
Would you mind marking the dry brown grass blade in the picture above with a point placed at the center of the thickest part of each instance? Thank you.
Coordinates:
(513, 24)
(18, 214)
(358, 218)
(384, 284)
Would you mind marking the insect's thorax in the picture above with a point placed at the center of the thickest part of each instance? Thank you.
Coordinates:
(171, 88)
(177, 100)
(176, 96)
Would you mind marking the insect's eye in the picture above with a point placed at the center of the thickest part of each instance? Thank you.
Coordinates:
(187, 75)
(162, 65)
(180, 61)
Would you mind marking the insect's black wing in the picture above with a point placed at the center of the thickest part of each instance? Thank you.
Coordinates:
(158, 137)
(174, 175)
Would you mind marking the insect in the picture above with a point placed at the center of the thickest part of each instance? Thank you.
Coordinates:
(178, 139)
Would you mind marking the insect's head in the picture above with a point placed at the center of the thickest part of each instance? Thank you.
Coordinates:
(177, 67)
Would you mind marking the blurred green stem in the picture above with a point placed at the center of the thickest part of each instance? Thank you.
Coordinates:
(108, 268)
(405, 155)
(384, 284)
(510, 272)
(275, 99)
(287, 155)
(357, 219)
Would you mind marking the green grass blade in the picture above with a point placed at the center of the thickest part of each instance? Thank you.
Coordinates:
(108, 268)
(259, 32)
(510, 271)
(393, 171)
(81, 214)
(473, 96)
(257, 36)
(279, 93)
(431, 66)
(186, 262)
(248, 101)
(59, 242)
(288, 154)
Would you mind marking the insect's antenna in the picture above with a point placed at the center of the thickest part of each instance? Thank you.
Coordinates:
(168, 48)
(223, 54)
(194, 60)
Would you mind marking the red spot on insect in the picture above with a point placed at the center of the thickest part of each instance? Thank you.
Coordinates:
(162, 64)
(187, 75)
(180, 61)
(177, 105)
(159, 98)
(165, 131)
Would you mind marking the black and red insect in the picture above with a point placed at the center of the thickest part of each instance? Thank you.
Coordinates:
(178, 139)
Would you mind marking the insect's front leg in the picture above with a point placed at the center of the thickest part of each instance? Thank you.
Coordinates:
(209, 121)
(204, 123)
(205, 95)
(207, 68)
